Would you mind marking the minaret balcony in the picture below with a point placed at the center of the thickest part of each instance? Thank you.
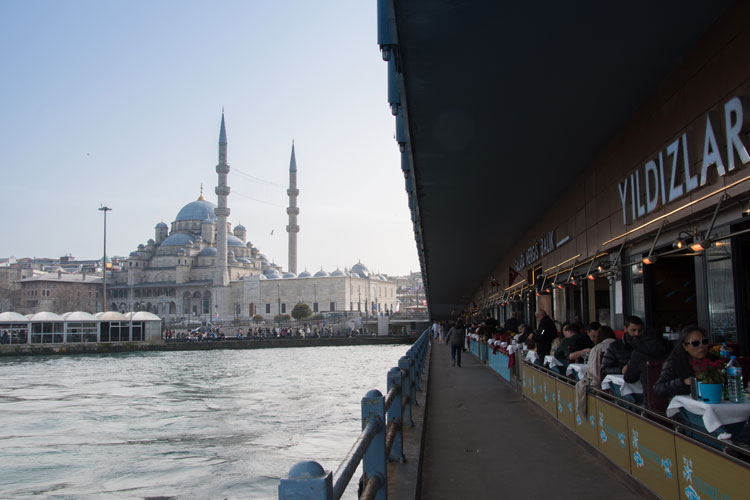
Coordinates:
(222, 190)
(221, 212)
(292, 229)
(292, 192)
(292, 211)
(222, 169)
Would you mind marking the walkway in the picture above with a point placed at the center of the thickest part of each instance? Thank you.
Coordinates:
(484, 440)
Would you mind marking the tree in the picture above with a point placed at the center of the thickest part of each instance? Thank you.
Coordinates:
(257, 318)
(301, 311)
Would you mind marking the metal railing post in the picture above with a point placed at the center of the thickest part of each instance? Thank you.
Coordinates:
(307, 480)
(404, 363)
(374, 460)
(395, 414)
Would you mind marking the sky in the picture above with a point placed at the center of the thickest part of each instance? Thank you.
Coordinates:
(119, 103)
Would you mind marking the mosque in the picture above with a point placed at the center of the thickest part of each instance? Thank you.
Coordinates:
(198, 267)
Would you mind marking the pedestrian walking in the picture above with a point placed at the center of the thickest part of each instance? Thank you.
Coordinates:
(456, 338)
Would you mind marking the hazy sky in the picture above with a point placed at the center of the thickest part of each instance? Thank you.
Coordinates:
(119, 102)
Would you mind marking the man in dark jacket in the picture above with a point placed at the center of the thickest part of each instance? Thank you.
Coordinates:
(649, 346)
(617, 357)
(511, 324)
(545, 333)
(575, 340)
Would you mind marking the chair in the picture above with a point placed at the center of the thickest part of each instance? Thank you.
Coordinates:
(654, 402)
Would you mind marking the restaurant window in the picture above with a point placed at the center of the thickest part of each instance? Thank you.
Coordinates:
(720, 285)
(637, 297)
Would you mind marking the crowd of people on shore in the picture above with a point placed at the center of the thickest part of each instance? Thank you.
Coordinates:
(261, 333)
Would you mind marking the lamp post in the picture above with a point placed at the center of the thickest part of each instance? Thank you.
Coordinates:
(278, 292)
(104, 209)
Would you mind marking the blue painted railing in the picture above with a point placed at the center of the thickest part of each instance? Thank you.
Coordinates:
(377, 444)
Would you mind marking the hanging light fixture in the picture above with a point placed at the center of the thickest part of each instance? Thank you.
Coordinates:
(651, 258)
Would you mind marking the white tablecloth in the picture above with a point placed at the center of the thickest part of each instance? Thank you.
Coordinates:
(551, 361)
(578, 368)
(714, 416)
(531, 356)
(619, 380)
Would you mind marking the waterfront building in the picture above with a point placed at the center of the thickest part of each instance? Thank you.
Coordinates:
(199, 268)
(60, 292)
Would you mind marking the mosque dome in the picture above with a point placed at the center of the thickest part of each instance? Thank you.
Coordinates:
(234, 241)
(177, 240)
(197, 210)
(304, 274)
(289, 275)
(321, 274)
(338, 272)
(208, 252)
(272, 274)
(360, 270)
(239, 227)
(162, 225)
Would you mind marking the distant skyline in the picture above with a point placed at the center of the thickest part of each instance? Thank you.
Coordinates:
(120, 103)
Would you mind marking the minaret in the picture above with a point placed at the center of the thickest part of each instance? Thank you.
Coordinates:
(292, 211)
(222, 211)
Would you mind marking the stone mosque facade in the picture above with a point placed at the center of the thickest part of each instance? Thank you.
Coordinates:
(200, 268)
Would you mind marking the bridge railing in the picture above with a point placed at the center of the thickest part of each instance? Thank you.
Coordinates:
(381, 440)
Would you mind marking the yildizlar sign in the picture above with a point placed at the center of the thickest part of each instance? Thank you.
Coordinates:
(669, 174)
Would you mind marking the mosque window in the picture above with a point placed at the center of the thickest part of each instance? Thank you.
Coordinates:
(268, 308)
(315, 307)
(333, 306)
(283, 308)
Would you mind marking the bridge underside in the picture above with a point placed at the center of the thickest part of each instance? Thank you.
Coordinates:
(507, 102)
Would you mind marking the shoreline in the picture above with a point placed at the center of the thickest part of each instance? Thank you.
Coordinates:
(98, 348)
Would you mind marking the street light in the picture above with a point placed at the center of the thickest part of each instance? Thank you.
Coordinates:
(278, 291)
(104, 209)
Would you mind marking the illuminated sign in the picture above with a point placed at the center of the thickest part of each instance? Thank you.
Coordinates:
(541, 247)
(671, 174)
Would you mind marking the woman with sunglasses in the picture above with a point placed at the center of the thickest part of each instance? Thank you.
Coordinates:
(692, 345)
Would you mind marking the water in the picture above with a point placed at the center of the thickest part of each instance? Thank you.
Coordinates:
(183, 425)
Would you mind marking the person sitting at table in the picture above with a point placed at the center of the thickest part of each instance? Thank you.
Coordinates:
(692, 345)
(523, 333)
(605, 336)
(545, 334)
(581, 355)
(617, 356)
(647, 347)
(575, 342)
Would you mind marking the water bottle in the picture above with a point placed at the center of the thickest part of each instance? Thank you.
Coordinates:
(725, 351)
(734, 381)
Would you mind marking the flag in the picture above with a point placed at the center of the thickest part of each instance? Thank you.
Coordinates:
(512, 275)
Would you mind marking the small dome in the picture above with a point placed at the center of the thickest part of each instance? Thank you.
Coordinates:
(143, 316)
(289, 275)
(262, 276)
(111, 316)
(10, 317)
(338, 272)
(162, 225)
(197, 210)
(208, 252)
(177, 240)
(234, 241)
(249, 245)
(272, 274)
(239, 227)
(304, 274)
(321, 274)
(79, 316)
(46, 316)
(360, 270)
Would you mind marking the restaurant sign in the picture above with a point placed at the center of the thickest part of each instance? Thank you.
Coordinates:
(671, 173)
(537, 250)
